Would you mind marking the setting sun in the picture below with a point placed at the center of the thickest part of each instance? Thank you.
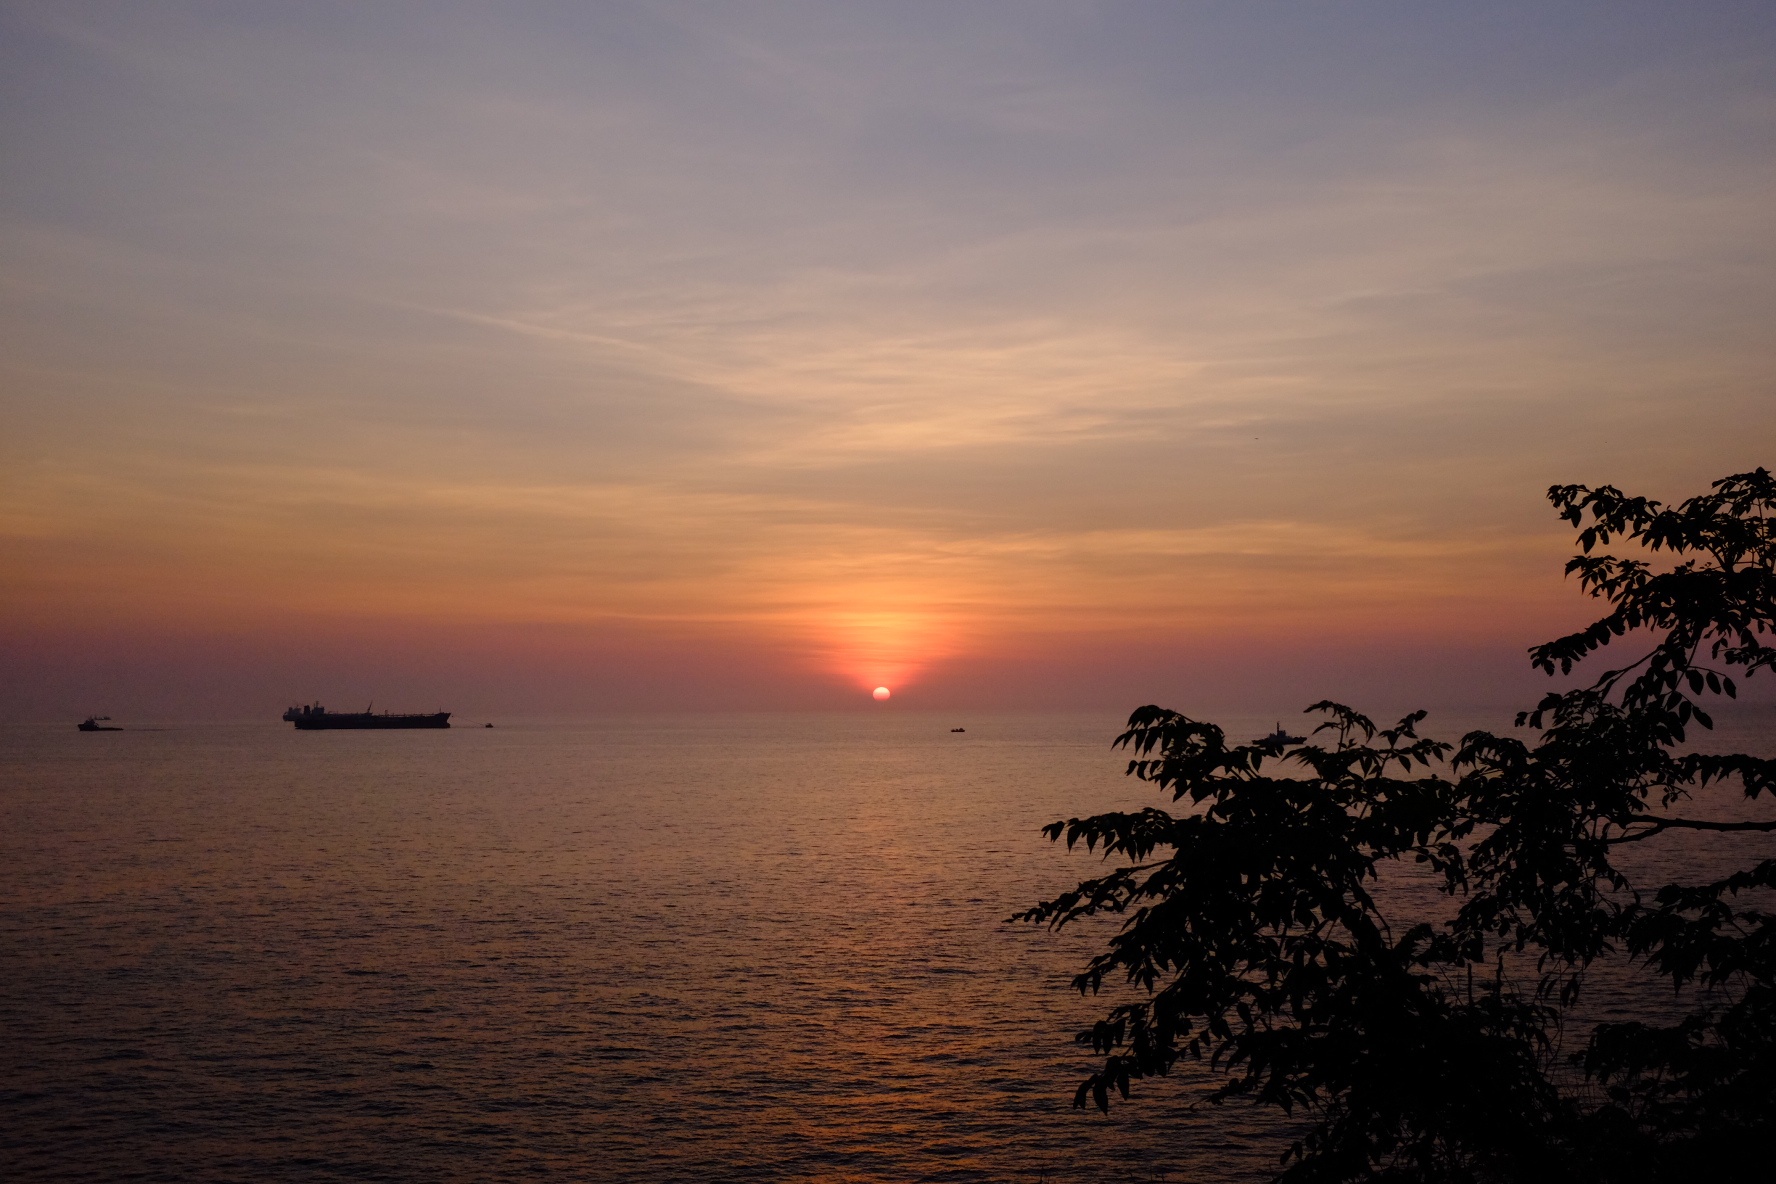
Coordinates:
(881, 693)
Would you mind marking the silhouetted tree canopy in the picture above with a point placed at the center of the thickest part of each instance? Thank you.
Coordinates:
(1428, 1050)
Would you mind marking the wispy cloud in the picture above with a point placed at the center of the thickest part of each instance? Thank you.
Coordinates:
(881, 335)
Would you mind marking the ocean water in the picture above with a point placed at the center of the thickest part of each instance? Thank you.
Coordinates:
(647, 948)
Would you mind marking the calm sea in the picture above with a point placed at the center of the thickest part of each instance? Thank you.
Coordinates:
(648, 948)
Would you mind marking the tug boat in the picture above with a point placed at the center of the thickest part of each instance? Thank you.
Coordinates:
(92, 724)
(1282, 737)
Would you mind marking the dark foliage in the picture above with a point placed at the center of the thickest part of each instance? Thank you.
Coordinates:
(1252, 931)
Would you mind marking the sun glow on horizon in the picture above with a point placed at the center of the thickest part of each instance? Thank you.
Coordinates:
(561, 370)
(882, 649)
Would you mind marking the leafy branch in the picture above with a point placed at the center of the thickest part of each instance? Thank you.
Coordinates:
(1253, 941)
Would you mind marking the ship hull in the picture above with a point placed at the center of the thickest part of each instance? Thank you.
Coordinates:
(363, 721)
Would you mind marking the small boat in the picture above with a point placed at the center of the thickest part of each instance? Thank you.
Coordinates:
(958, 729)
(92, 724)
(1281, 737)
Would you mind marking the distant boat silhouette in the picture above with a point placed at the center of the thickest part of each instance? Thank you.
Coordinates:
(92, 724)
(958, 729)
(1282, 737)
(316, 718)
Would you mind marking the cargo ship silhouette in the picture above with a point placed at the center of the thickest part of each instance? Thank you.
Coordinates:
(316, 718)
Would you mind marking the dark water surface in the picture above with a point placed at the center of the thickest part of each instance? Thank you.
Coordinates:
(740, 948)
(733, 948)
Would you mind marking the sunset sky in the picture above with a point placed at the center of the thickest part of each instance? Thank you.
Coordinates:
(524, 358)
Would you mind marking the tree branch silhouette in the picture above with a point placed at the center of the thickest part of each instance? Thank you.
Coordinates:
(1251, 943)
